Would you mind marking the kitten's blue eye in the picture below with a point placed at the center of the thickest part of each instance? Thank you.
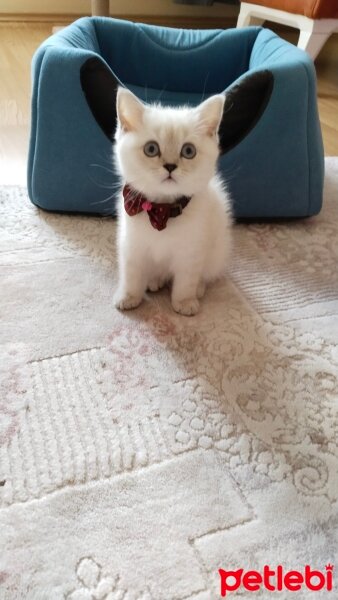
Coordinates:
(188, 150)
(151, 149)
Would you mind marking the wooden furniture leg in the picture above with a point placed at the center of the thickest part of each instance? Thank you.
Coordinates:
(100, 8)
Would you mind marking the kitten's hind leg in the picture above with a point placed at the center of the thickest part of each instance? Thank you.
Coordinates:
(201, 289)
(156, 284)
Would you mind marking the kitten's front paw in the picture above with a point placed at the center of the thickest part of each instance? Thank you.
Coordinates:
(187, 307)
(126, 301)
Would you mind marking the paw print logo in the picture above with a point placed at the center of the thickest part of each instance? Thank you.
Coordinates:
(93, 585)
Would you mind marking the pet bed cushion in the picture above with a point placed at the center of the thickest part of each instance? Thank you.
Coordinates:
(271, 146)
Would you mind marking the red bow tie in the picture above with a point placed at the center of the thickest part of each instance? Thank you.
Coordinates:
(158, 213)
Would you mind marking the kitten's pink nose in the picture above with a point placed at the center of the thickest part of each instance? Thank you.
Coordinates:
(170, 167)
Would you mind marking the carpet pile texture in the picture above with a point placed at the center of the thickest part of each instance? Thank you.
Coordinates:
(140, 452)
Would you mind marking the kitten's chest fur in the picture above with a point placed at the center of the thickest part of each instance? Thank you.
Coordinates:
(199, 235)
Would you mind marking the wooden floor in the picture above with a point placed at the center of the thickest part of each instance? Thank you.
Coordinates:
(18, 41)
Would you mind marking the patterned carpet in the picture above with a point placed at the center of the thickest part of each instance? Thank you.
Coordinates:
(142, 452)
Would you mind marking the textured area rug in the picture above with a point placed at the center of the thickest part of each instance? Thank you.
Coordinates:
(142, 452)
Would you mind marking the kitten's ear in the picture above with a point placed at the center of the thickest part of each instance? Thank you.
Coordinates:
(210, 113)
(244, 106)
(129, 110)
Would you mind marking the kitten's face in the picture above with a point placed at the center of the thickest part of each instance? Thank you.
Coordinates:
(150, 137)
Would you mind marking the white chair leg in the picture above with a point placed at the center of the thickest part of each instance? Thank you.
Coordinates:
(245, 18)
(313, 32)
(312, 42)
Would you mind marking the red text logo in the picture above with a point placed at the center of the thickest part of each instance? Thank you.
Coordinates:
(276, 580)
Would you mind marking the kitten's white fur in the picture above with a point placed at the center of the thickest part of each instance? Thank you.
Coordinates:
(193, 249)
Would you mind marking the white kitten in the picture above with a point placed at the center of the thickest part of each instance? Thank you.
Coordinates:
(164, 154)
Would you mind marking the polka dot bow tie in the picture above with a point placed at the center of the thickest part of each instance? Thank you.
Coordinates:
(158, 213)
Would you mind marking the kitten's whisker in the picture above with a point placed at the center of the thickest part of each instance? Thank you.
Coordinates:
(230, 173)
(102, 167)
(108, 212)
(104, 154)
(204, 87)
(139, 202)
(161, 94)
(103, 201)
(104, 159)
(111, 186)
(228, 108)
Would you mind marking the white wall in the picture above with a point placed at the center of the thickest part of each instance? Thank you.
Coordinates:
(117, 7)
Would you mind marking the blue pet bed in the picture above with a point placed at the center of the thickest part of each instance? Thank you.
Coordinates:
(270, 138)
